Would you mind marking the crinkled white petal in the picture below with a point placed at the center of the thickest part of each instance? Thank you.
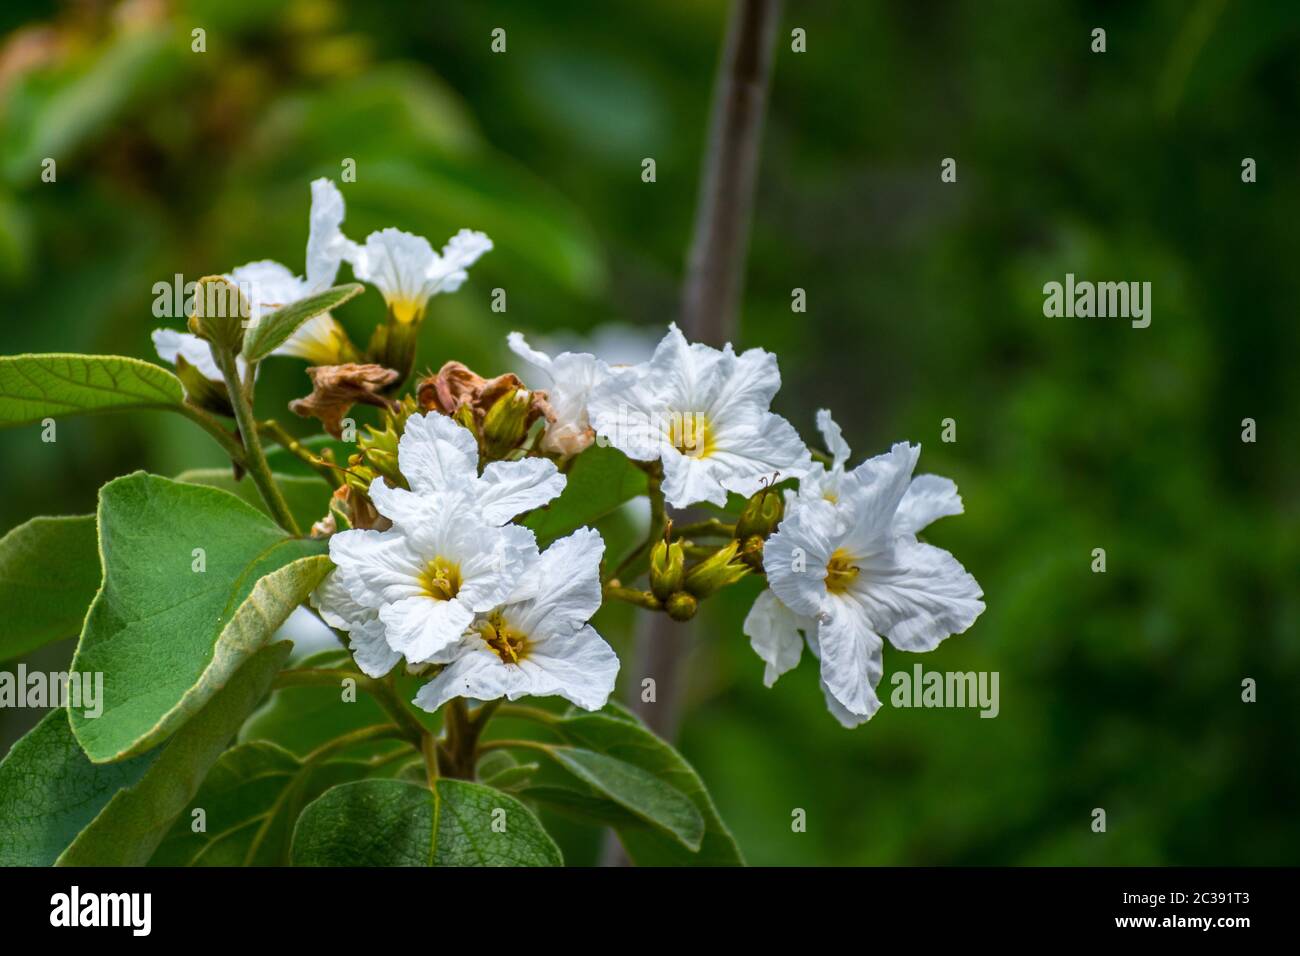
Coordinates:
(870, 495)
(326, 244)
(851, 655)
(365, 631)
(509, 488)
(751, 455)
(267, 286)
(566, 590)
(578, 666)
(377, 567)
(773, 632)
(795, 558)
(447, 272)
(398, 264)
(928, 499)
(690, 480)
(833, 437)
(568, 379)
(421, 627)
(169, 343)
(436, 454)
(320, 340)
(846, 717)
(924, 596)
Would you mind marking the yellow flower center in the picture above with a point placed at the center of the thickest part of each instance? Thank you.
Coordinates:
(441, 579)
(691, 433)
(507, 643)
(406, 311)
(840, 572)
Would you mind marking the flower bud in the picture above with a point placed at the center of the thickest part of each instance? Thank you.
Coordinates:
(507, 422)
(393, 345)
(751, 552)
(717, 571)
(681, 606)
(761, 515)
(220, 311)
(667, 569)
(202, 391)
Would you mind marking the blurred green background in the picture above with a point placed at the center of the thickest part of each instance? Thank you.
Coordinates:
(1119, 690)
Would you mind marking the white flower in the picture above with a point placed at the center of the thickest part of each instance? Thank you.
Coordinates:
(171, 344)
(449, 555)
(436, 455)
(704, 413)
(408, 272)
(425, 581)
(569, 378)
(844, 573)
(541, 644)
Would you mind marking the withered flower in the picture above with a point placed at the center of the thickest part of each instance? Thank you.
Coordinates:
(336, 388)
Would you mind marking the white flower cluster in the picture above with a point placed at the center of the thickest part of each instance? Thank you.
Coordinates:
(454, 583)
(844, 566)
(404, 268)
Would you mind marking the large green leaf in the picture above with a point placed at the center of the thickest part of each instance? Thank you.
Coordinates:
(167, 636)
(36, 387)
(396, 823)
(250, 801)
(271, 331)
(128, 830)
(49, 573)
(308, 498)
(631, 741)
(600, 480)
(57, 806)
(638, 791)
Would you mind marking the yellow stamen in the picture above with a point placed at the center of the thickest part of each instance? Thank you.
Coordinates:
(507, 643)
(441, 579)
(840, 572)
(691, 433)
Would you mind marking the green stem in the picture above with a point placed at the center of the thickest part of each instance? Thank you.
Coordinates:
(701, 529)
(632, 596)
(229, 444)
(254, 457)
(275, 431)
(658, 517)
(509, 744)
(524, 712)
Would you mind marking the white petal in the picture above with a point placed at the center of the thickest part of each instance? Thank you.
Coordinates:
(578, 666)
(841, 713)
(319, 340)
(759, 452)
(928, 499)
(751, 378)
(476, 673)
(689, 480)
(267, 286)
(421, 627)
(833, 437)
(398, 264)
(870, 495)
(773, 632)
(406, 509)
(377, 567)
(851, 655)
(922, 598)
(567, 590)
(447, 272)
(538, 360)
(326, 244)
(436, 454)
(365, 631)
(169, 344)
(796, 556)
(509, 488)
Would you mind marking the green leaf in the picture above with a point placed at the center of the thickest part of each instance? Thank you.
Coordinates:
(165, 635)
(36, 387)
(639, 792)
(49, 791)
(601, 479)
(396, 823)
(49, 573)
(250, 801)
(616, 736)
(57, 806)
(308, 498)
(270, 332)
(128, 830)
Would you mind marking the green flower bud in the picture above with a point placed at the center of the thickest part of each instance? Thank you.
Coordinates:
(751, 552)
(220, 311)
(762, 513)
(667, 569)
(681, 606)
(717, 571)
(507, 422)
(202, 391)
